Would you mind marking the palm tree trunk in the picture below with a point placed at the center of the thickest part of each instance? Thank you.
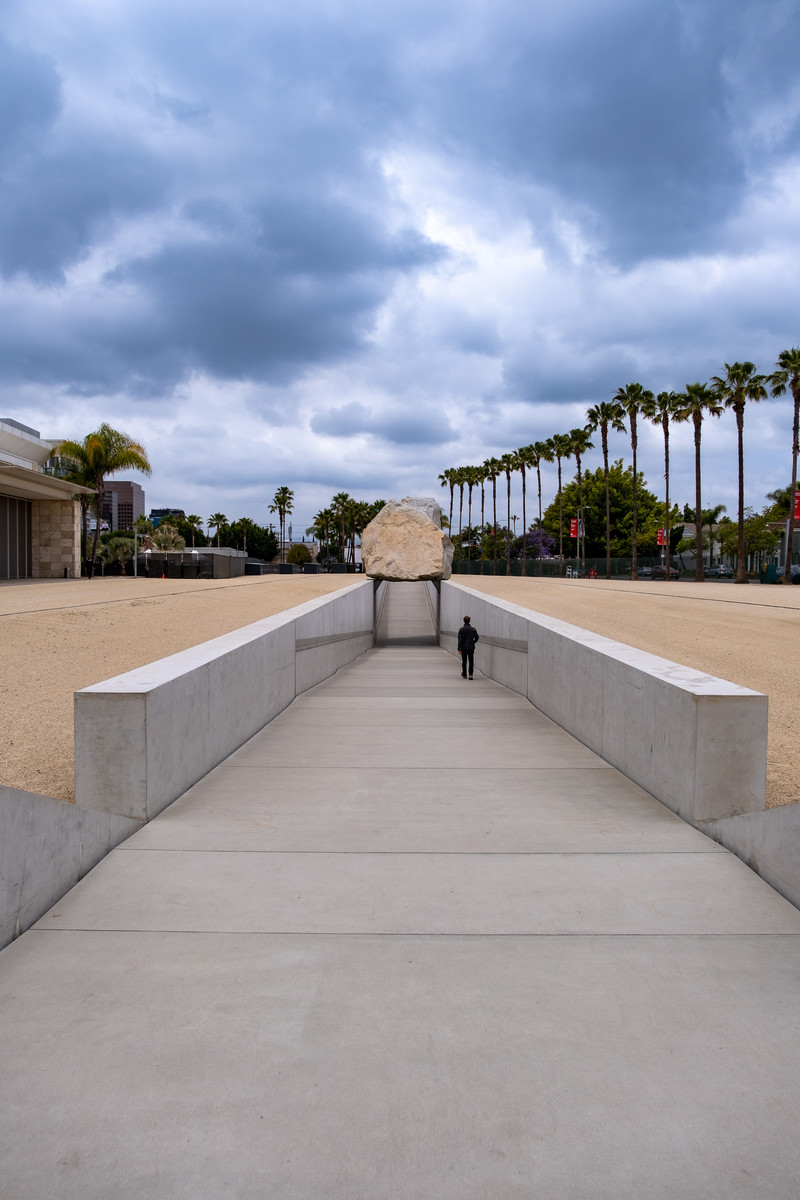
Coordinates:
(741, 566)
(469, 524)
(634, 547)
(450, 525)
(608, 502)
(539, 483)
(524, 527)
(508, 524)
(560, 520)
(699, 571)
(97, 513)
(581, 537)
(460, 516)
(483, 522)
(494, 526)
(666, 507)
(787, 574)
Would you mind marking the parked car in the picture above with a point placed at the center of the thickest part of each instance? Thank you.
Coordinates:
(719, 571)
(657, 573)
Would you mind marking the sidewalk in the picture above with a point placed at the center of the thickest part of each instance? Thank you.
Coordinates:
(410, 941)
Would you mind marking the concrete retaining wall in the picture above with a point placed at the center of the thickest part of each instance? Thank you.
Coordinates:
(697, 743)
(769, 842)
(143, 738)
(46, 846)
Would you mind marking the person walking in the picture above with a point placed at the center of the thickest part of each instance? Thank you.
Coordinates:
(467, 637)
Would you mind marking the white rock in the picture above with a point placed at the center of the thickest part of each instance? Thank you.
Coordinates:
(427, 504)
(405, 542)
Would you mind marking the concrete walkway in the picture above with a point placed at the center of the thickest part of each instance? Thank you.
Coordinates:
(411, 941)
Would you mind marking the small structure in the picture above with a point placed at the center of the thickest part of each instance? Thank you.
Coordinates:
(405, 542)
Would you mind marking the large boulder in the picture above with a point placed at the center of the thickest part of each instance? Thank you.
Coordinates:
(405, 542)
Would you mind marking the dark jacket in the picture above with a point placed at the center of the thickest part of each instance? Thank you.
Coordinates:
(467, 637)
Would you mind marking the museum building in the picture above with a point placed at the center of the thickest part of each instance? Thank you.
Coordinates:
(39, 515)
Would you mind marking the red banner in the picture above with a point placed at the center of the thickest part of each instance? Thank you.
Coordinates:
(661, 537)
(797, 506)
(573, 527)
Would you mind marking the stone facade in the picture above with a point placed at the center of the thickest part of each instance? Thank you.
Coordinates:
(56, 539)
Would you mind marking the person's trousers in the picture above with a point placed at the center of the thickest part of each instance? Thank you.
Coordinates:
(467, 656)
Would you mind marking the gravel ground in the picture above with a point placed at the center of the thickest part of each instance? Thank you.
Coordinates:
(748, 635)
(60, 636)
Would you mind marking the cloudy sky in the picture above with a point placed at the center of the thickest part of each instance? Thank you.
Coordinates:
(336, 244)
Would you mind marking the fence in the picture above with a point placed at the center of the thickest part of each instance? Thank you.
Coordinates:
(551, 567)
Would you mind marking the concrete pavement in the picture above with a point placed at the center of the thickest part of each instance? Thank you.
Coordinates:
(410, 941)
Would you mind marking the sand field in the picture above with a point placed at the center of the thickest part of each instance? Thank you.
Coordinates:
(749, 635)
(59, 637)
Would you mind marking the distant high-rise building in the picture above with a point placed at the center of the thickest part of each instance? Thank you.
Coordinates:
(157, 515)
(123, 502)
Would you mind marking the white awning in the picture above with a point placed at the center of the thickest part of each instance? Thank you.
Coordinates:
(33, 485)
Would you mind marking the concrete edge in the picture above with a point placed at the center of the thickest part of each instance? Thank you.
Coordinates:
(695, 742)
(768, 842)
(46, 846)
(144, 737)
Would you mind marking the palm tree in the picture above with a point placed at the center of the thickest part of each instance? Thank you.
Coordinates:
(560, 448)
(340, 508)
(662, 409)
(601, 416)
(282, 503)
(320, 529)
(632, 398)
(117, 549)
(710, 517)
(245, 524)
(447, 478)
(541, 452)
(788, 375)
(739, 384)
(99, 455)
(473, 475)
(493, 467)
(509, 462)
(167, 537)
(217, 521)
(692, 404)
(525, 460)
(194, 523)
(460, 478)
(482, 477)
(580, 443)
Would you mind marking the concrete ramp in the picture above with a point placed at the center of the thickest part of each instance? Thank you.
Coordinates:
(406, 618)
(411, 941)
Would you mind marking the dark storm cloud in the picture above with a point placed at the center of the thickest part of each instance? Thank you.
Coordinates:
(481, 203)
(619, 108)
(402, 428)
(61, 203)
(30, 98)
